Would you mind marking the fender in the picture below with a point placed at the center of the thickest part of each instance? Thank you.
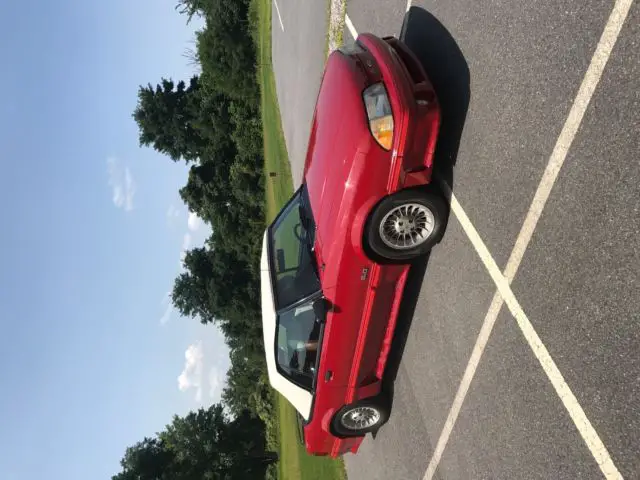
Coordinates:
(327, 418)
(359, 222)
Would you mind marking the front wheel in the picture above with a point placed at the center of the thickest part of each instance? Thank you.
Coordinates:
(360, 418)
(406, 225)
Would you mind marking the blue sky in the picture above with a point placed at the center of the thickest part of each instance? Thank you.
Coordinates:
(92, 358)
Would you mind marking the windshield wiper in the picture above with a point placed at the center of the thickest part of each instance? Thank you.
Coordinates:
(305, 218)
(309, 243)
(306, 221)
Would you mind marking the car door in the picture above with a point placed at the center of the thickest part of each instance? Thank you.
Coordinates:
(356, 328)
(344, 320)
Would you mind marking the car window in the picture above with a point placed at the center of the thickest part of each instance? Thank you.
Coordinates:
(292, 261)
(298, 343)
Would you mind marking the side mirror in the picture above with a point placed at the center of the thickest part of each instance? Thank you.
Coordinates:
(280, 260)
(320, 307)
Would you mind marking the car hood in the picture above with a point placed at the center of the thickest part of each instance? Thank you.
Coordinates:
(339, 136)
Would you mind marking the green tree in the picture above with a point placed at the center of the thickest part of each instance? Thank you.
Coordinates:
(146, 460)
(226, 49)
(168, 116)
(246, 388)
(213, 122)
(190, 8)
(190, 293)
(215, 285)
(202, 445)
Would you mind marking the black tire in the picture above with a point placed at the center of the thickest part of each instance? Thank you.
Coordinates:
(381, 250)
(343, 425)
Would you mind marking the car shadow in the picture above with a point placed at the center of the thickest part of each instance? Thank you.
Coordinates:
(449, 73)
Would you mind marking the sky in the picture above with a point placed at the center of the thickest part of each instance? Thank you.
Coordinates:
(92, 229)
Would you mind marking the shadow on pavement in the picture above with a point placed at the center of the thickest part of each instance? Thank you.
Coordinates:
(448, 71)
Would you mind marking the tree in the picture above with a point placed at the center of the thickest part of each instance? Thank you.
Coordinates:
(146, 460)
(190, 294)
(168, 117)
(215, 286)
(226, 49)
(207, 191)
(213, 122)
(202, 445)
(192, 7)
(245, 374)
(247, 132)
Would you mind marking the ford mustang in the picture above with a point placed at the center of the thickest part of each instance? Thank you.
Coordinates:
(335, 260)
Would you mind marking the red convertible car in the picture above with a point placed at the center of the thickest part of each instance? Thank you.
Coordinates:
(335, 260)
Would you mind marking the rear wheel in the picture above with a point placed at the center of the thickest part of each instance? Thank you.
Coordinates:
(406, 225)
(360, 418)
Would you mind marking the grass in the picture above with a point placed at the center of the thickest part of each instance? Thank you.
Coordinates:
(279, 187)
(294, 462)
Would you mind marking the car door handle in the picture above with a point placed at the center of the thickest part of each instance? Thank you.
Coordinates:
(328, 375)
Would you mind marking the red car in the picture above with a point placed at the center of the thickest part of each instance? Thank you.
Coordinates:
(335, 260)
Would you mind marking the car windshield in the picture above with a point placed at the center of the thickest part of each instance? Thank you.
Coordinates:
(297, 343)
(294, 271)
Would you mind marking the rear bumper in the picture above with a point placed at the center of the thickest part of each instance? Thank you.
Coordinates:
(324, 442)
(415, 107)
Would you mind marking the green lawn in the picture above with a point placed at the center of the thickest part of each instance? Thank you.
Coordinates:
(280, 187)
(294, 462)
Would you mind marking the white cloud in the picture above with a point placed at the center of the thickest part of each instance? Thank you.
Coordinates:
(166, 299)
(186, 241)
(168, 308)
(215, 383)
(203, 372)
(166, 316)
(173, 213)
(191, 376)
(194, 222)
(122, 184)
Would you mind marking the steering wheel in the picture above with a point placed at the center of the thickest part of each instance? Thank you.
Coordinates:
(297, 231)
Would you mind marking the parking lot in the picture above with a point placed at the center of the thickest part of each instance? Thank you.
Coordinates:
(519, 352)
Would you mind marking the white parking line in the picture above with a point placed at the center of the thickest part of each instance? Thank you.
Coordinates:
(558, 156)
(569, 400)
(279, 17)
(349, 24)
(569, 130)
(408, 5)
(469, 372)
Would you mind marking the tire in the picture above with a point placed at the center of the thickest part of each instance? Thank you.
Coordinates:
(349, 421)
(392, 241)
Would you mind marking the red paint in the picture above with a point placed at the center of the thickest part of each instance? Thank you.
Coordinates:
(347, 173)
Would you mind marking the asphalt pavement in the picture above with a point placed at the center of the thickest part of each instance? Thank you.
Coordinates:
(508, 77)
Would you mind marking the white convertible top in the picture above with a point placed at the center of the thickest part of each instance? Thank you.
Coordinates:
(300, 398)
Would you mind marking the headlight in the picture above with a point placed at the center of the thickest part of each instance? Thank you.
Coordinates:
(379, 113)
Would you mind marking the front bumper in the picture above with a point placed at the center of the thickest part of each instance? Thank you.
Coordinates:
(415, 107)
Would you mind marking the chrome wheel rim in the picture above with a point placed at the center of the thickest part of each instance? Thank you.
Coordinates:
(407, 226)
(359, 418)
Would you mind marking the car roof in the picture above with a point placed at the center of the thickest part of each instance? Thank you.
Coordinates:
(300, 398)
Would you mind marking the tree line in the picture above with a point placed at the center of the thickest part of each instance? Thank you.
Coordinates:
(202, 445)
(212, 122)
